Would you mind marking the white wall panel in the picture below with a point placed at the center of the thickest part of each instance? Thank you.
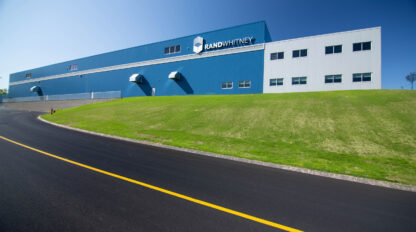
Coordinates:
(317, 64)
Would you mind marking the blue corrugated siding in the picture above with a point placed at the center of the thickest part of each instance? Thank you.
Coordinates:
(200, 76)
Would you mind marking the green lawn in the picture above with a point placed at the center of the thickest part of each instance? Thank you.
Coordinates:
(368, 133)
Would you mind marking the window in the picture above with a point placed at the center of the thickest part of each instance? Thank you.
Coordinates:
(303, 52)
(366, 76)
(298, 80)
(28, 75)
(356, 47)
(337, 48)
(300, 53)
(172, 49)
(73, 67)
(333, 49)
(333, 78)
(356, 77)
(277, 55)
(244, 84)
(295, 53)
(361, 46)
(359, 77)
(227, 85)
(276, 81)
(329, 49)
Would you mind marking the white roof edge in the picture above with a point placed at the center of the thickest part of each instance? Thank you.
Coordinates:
(328, 34)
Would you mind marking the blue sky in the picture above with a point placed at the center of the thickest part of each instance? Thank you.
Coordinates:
(42, 32)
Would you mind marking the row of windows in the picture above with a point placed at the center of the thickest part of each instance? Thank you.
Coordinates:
(277, 55)
(241, 84)
(295, 54)
(333, 78)
(333, 49)
(298, 80)
(276, 81)
(356, 77)
(362, 46)
(359, 77)
(172, 49)
(73, 67)
(299, 53)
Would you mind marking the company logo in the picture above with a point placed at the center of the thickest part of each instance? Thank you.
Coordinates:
(198, 44)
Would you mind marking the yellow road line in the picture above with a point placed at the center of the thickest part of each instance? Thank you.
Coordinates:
(207, 204)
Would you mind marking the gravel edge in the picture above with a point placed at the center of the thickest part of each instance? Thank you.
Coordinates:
(261, 163)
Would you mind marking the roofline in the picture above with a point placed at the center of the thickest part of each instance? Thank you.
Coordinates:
(328, 34)
(196, 34)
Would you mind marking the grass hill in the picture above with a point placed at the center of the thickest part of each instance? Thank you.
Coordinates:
(369, 133)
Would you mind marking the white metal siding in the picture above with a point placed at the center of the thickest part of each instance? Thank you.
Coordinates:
(317, 64)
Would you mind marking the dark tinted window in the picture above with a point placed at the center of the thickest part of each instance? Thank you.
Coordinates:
(227, 85)
(273, 82)
(248, 84)
(337, 78)
(279, 81)
(366, 76)
(173, 49)
(303, 52)
(280, 55)
(329, 50)
(244, 84)
(367, 46)
(338, 49)
(356, 47)
(295, 80)
(356, 77)
(295, 53)
(329, 79)
(273, 56)
(303, 80)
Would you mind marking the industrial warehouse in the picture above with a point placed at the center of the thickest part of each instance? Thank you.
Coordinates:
(236, 60)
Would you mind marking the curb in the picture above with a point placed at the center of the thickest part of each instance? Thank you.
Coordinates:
(243, 160)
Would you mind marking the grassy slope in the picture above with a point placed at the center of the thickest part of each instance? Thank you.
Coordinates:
(362, 133)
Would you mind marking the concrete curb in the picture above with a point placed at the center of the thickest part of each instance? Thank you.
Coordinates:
(261, 163)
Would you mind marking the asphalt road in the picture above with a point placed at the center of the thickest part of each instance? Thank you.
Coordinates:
(40, 193)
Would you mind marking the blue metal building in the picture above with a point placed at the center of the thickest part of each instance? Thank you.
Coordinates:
(226, 61)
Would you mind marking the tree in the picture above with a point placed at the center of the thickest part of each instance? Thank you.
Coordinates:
(411, 78)
(3, 91)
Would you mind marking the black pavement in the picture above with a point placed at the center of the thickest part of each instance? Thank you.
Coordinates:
(40, 193)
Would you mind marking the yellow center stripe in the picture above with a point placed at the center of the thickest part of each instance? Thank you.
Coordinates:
(207, 204)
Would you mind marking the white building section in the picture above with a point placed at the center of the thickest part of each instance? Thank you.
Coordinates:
(338, 61)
